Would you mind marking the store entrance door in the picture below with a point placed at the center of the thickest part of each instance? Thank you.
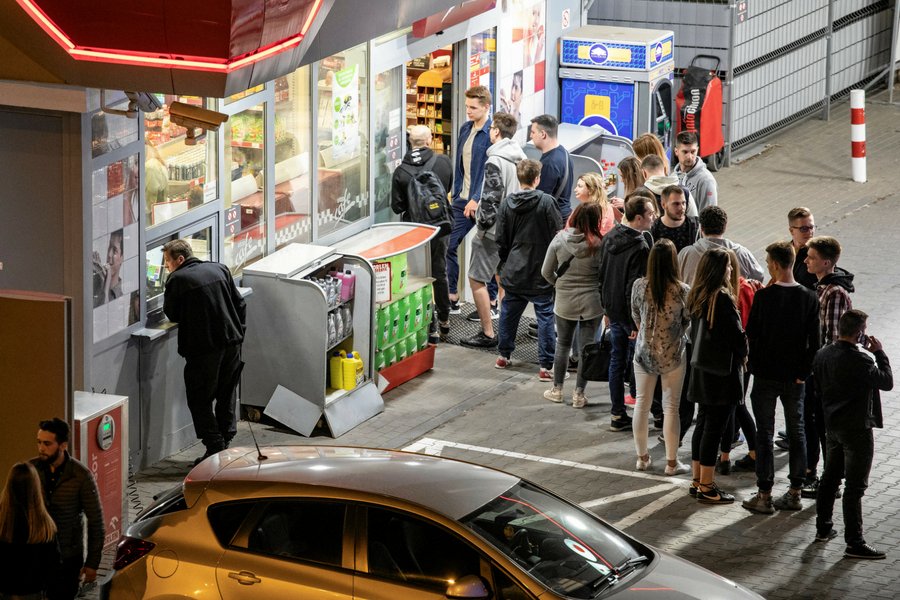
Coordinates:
(429, 96)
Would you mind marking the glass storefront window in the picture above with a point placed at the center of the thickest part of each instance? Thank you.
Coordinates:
(521, 65)
(244, 198)
(483, 59)
(293, 204)
(110, 132)
(180, 175)
(341, 109)
(244, 94)
(201, 243)
(390, 139)
(115, 192)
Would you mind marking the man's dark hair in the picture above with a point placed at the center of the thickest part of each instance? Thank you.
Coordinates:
(548, 124)
(480, 93)
(506, 124)
(527, 171)
(671, 190)
(687, 138)
(781, 253)
(852, 323)
(713, 220)
(57, 427)
(636, 204)
(801, 212)
(827, 247)
(177, 248)
(652, 162)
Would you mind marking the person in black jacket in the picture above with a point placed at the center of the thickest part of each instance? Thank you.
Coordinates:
(526, 224)
(848, 381)
(623, 260)
(420, 140)
(70, 494)
(211, 314)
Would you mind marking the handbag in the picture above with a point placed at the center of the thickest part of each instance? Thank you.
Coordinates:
(709, 354)
(595, 359)
(561, 269)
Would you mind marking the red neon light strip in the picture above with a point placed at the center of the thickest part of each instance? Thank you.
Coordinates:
(155, 60)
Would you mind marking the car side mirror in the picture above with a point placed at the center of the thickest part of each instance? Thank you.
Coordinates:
(470, 586)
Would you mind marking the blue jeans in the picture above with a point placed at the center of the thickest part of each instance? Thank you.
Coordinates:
(764, 397)
(619, 360)
(510, 314)
(461, 227)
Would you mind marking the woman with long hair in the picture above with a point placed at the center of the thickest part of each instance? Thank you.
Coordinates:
(572, 265)
(658, 306)
(632, 178)
(589, 189)
(714, 314)
(28, 546)
(647, 144)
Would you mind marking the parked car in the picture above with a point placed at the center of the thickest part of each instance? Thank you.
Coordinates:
(355, 523)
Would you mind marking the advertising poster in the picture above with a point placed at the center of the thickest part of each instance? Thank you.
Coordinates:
(521, 65)
(603, 104)
(345, 114)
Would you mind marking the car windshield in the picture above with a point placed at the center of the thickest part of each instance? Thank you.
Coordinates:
(564, 547)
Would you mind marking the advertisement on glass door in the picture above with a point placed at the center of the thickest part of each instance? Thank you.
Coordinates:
(521, 61)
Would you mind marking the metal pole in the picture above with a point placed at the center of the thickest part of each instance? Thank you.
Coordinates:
(896, 33)
(829, 35)
(729, 83)
(858, 135)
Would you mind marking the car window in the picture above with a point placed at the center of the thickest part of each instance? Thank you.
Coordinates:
(404, 548)
(507, 589)
(226, 518)
(304, 530)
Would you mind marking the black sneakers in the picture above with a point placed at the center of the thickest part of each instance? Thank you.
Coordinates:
(713, 495)
(810, 488)
(723, 467)
(454, 307)
(865, 551)
(479, 340)
(473, 316)
(620, 423)
(825, 537)
(748, 463)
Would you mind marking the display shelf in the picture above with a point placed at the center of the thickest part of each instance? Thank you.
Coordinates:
(253, 145)
(346, 337)
(412, 286)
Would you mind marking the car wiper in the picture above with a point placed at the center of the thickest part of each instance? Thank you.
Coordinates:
(604, 582)
(631, 564)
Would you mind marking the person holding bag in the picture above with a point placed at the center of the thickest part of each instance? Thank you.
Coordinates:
(658, 307)
(29, 550)
(572, 265)
(719, 349)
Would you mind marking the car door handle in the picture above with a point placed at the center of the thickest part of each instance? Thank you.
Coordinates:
(245, 578)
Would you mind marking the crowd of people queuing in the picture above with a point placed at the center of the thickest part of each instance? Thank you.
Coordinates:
(691, 315)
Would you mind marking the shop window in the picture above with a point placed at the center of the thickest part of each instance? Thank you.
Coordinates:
(341, 110)
(389, 144)
(245, 206)
(201, 245)
(110, 132)
(244, 94)
(180, 174)
(483, 59)
(521, 66)
(429, 96)
(293, 204)
(115, 191)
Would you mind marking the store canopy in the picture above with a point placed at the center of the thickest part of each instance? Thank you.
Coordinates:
(211, 48)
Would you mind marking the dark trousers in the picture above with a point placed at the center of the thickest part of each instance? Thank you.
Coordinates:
(848, 454)
(765, 395)
(438, 249)
(620, 360)
(64, 582)
(212, 378)
(814, 419)
(686, 407)
(707, 433)
(461, 226)
(740, 419)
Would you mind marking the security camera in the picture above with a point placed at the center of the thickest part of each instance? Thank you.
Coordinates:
(190, 116)
(143, 101)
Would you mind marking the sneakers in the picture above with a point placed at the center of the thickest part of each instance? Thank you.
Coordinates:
(643, 465)
(782, 444)
(473, 316)
(810, 487)
(503, 363)
(713, 495)
(657, 423)
(554, 394)
(573, 365)
(692, 489)
(788, 501)
(723, 467)
(630, 400)
(748, 463)
(454, 307)
(825, 537)
(759, 503)
(679, 469)
(444, 329)
(546, 375)
(620, 423)
(863, 550)
(578, 399)
(479, 340)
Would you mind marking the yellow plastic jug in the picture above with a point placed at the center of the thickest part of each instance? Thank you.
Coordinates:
(336, 369)
(352, 371)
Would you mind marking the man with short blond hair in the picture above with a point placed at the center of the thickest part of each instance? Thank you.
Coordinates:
(802, 227)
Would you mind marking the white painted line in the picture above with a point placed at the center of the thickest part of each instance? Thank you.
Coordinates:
(627, 495)
(656, 505)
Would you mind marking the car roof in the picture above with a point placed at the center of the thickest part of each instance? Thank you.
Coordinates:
(450, 487)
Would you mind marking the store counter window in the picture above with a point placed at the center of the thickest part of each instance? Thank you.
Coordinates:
(157, 273)
(342, 106)
(179, 175)
(110, 132)
(244, 197)
(389, 144)
(293, 204)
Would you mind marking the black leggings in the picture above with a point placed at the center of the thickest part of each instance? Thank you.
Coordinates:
(711, 421)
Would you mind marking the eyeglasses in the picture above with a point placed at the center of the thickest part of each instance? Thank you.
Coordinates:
(805, 228)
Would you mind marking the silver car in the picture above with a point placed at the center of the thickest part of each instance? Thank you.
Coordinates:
(354, 523)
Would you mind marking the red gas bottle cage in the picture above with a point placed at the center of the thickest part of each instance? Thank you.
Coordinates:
(699, 108)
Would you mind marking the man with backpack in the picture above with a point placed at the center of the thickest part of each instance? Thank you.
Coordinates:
(419, 194)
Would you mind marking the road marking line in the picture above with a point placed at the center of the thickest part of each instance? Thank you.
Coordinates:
(646, 511)
(627, 495)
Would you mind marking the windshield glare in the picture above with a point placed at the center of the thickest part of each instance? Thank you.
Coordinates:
(560, 545)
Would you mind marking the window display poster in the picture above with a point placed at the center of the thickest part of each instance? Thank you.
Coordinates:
(382, 281)
(345, 114)
(521, 65)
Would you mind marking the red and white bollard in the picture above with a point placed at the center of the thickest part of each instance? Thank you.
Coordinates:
(858, 134)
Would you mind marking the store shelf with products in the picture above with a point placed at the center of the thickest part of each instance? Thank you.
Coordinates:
(295, 326)
(426, 107)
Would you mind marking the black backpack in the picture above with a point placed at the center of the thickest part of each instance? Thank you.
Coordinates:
(426, 198)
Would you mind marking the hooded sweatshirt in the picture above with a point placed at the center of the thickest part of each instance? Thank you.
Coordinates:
(658, 183)
(577, 294)
(834, 292)
(701, 183)
(623, 260)
(414, 160)
(689, 259)
(526, 224)
(500, 181)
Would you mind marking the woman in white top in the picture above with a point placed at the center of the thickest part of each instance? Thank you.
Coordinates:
(658, 306)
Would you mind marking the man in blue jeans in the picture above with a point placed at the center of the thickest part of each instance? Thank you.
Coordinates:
(783, 333)
(526, 224)
(623, 260)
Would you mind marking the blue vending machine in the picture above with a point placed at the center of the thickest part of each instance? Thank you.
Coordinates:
(619, 79)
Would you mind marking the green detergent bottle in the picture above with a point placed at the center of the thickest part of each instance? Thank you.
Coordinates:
(405, 316)
(416, 310)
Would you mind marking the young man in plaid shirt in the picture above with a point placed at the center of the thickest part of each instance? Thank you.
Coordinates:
(835, 284)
